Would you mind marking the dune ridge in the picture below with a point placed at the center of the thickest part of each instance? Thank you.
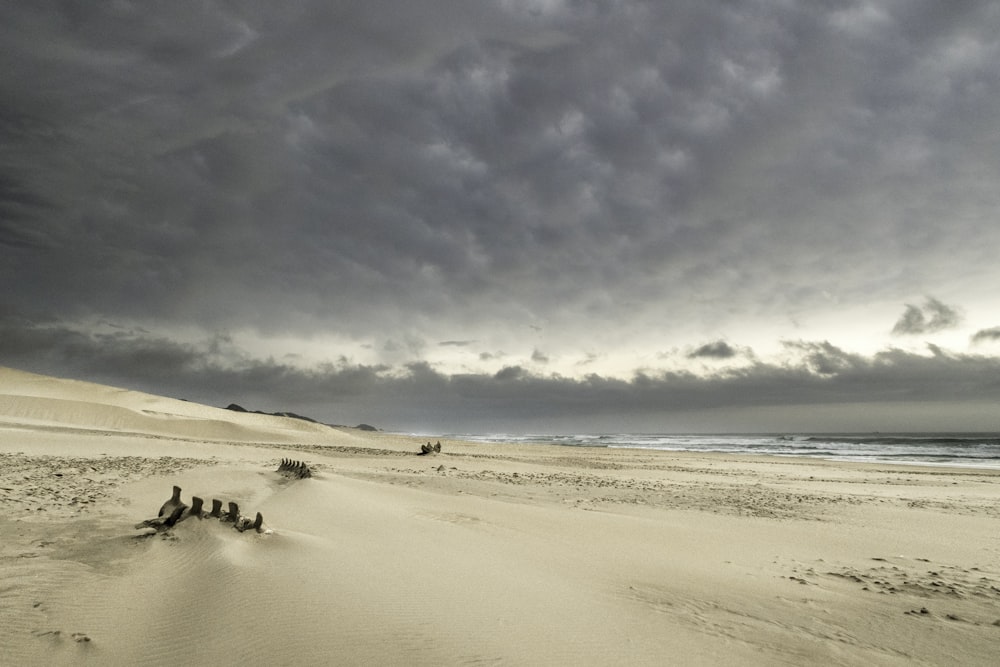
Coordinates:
(496, 554)
(35, 400)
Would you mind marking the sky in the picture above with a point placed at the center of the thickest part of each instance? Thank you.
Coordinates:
(511, 216)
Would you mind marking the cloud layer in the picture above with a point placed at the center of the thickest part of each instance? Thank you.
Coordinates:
(561, 187)
(812, 378)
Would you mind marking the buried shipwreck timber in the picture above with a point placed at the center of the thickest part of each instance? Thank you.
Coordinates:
(174, 510)
(430, 449)
(294, 469)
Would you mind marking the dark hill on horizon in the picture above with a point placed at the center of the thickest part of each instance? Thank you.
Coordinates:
(239, 408)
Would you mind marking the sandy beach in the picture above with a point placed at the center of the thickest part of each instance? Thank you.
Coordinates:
(479, 554)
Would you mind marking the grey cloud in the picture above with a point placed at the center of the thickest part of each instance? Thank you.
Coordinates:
(539, 357)
(376, 170)
(416, 394)
(823, 358)
(719, 349)
(349, 164)
(408, 348)
(912, 321)
(50, 347)
(983, 335)
(508, 373)
(934, 316)
(942, 316)
(19, 207)
(456, 343)
(209, 370)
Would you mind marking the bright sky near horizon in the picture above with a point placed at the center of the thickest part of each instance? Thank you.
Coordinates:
(508, 216)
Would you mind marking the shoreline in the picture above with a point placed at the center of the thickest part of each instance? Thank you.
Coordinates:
(416, 440)
(946, 449)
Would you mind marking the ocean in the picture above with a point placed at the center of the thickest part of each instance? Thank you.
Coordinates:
(973, 450)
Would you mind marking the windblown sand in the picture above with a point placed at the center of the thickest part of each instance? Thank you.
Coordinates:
(515, 555)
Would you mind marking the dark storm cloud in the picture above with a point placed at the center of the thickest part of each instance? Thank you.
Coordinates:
(504, 174)
(210, 370)
(933, 316)
(18, 205)
(49, 346)
(302, 164)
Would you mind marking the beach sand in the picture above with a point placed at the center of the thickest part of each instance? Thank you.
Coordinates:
(479, 554)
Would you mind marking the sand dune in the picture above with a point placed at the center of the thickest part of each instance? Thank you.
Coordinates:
(505, 554)
(35, 400)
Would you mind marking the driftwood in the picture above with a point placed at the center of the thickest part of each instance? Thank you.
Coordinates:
(430, 449)
(294, 469)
